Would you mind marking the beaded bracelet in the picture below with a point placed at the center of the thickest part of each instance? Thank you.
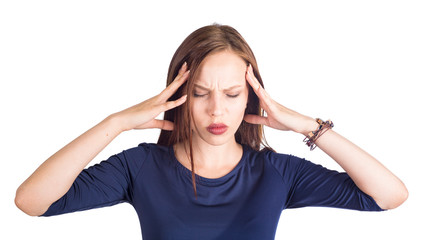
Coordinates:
(314, 135)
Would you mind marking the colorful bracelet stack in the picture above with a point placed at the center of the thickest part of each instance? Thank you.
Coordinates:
(314, 135)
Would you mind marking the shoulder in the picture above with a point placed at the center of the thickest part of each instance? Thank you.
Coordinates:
(145, 148)
(278, 160)
(141, 152)
(285, 164)
(133, 159)
(281, 160)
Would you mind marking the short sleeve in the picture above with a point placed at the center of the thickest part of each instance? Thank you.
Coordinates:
(108, 183)
(310, 184)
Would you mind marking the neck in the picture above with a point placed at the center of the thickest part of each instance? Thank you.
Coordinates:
(206, 156)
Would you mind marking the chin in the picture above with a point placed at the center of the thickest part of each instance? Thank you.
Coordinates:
(216, 140)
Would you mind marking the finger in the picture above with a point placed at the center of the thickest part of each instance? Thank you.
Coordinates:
(171, 89)
(255, 119)
(176, 83)
(250, 77)
(173, 104)
(156, 123)
(166, 125)
(256, 86)
(182, 70)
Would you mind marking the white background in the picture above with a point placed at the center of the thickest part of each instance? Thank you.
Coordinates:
(66, 65)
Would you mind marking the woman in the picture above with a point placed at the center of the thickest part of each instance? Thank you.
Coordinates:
(211, 175)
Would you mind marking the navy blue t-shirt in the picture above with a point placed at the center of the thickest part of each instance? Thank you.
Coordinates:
(245, 204)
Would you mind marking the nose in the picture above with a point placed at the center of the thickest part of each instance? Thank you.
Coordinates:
(216, 105)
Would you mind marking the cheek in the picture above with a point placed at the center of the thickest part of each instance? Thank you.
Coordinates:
(193, 109)
(196, 108)
(238, 108)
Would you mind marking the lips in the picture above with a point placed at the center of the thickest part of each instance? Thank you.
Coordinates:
(217, 128)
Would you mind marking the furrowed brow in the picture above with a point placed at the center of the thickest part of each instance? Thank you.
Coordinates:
(233, 87)
(227, 89)
(201, 87)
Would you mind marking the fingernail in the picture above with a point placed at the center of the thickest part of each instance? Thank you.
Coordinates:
(249, 74)
(183, 67)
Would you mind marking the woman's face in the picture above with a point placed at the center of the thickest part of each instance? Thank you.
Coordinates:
(219, 98)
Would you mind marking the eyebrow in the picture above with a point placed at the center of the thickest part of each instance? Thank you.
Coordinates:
(227, 89)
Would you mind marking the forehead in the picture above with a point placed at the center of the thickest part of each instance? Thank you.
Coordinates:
(222, 69)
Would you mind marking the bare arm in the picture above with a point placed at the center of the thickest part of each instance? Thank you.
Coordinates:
(369, 174)
(56, 175)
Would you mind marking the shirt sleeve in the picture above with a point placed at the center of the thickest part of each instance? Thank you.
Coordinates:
(108, 183)
(310, 184)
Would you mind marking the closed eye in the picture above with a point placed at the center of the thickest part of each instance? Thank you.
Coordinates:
(233, 95)
(199, 94)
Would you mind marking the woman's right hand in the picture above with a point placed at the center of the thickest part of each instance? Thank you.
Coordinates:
(142, 115)
(56, 175)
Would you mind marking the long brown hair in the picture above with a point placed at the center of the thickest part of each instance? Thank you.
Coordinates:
(196, 47)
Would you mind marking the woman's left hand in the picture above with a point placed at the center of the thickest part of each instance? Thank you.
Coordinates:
(375, 180)
(278, 116)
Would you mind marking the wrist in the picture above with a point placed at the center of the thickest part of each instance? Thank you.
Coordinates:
(311, 137)
(309, 126)
(115, 123)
